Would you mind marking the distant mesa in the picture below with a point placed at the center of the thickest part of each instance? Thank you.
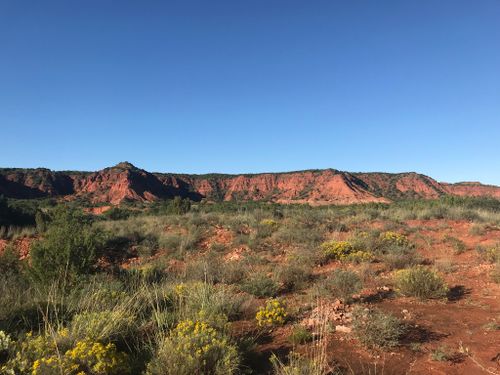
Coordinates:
(126, 182)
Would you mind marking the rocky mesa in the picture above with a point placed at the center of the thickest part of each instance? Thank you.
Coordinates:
(124, 182)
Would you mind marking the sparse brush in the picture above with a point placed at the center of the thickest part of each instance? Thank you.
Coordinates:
(445, 265)
(495, 273)
(295, 274)
(314, 361)
(213, 300)
(342, 284)
(420, 282)
(195, 347)
(458, 245)
(397, 257)
(300, 335)
(260, 285)
(376, 329)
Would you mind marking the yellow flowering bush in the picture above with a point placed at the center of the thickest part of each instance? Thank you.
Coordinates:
(393, 238)
(180, 290)
(338, 250)
(195, 347)
(359, 256)
(44, 355)
(88, 356)
(26, 352)
(269, 222)
(273, 313)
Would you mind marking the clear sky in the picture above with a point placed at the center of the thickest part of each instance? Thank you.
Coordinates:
(250, 86)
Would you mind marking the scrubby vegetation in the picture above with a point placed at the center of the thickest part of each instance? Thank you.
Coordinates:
(178, 287)
(420, 282)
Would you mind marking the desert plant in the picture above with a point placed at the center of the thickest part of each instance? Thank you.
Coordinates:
(214, 300)
(336, 250)
(495, 273)
(195, 347)
(478, 229)
(298, 365)
(445, 265)
(294, 274)
(492, 254)
(441, 354)
(342, 284)
(457, 244)
(360, 256)
(40, 355)
(397, 257)
(420, 282)
(393, 238)
(272, 314)
(376, 329)
(70, 247)
(300, 335)
(10, 264)
(260, 285)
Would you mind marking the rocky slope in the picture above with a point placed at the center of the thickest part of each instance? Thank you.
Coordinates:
(127, 182)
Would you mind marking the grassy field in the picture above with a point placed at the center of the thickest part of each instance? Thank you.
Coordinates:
(251, 288)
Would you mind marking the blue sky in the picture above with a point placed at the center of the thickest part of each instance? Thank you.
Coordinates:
(252, 86)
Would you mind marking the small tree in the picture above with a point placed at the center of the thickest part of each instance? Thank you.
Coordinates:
(69, 248)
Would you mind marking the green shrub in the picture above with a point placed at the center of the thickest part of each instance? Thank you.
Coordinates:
(266, 228)
(301, 365)
(10, 264)
(342, 284)
(195, 347)
(457, 244)
(70, 247)
(441, 354)
(376, 329)
(397, 257)
(176, 206)
(294, 274)
(260, 285)
(42, 221)
(232, 272)
(117, 213)
(420, 282)
(300, 335)
(206, 268)
(212, 300)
